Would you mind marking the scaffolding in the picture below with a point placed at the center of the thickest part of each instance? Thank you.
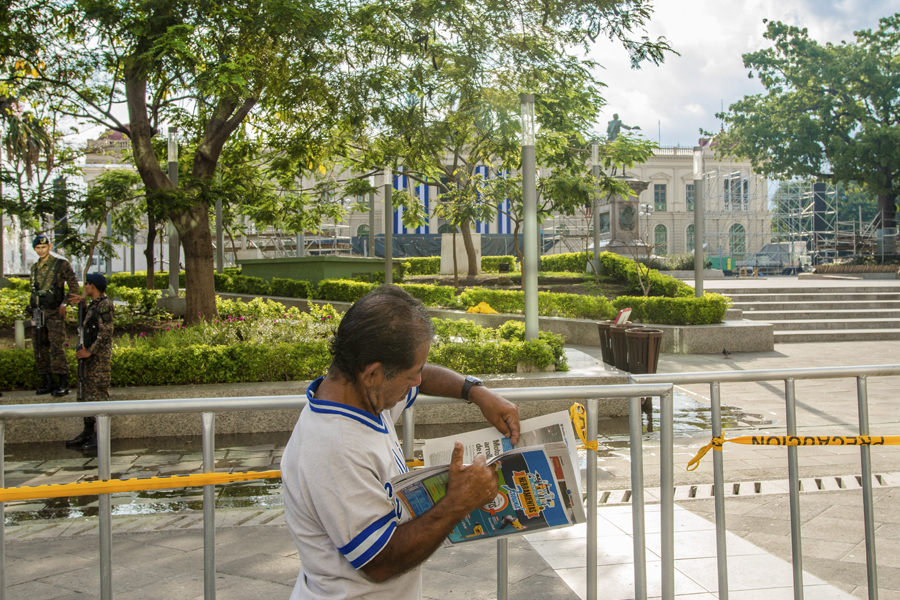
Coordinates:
(737, 222)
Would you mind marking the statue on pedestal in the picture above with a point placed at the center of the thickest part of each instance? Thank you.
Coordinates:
(614, 127)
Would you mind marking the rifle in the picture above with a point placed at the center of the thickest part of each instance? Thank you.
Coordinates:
(80, 346)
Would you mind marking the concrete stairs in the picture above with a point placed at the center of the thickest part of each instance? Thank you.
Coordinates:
(822, 314)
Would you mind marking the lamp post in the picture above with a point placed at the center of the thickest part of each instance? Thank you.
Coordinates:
(388, 227)
(174, 242)
(698, 221)
(529, 199)
(595, 167)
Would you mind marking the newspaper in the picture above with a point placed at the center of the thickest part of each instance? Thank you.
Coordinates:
(555, 427)
(537, 490)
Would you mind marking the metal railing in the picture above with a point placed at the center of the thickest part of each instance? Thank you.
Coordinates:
(659, 385)
(208, 407)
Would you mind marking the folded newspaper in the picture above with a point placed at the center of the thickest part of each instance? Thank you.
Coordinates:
(539, 484)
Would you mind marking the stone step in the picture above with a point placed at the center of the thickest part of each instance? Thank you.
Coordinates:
(809, 290)
(844, 335)
(774, 316)
(817, 296)
(834, 324)
(776, 304)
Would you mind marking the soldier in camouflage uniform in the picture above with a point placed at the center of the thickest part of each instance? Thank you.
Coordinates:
(49, 277)
(96, 353)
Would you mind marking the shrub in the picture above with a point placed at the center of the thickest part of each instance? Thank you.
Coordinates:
(18, 284)
(503, 301)
(427, 265)
(570, 306)
(572, 262)
(491, 264)
(12, 305)
(515, 331)
(291, 288)
(139, 279)
(343, 290)
(430, 295)
(675, 311)
(624, 269)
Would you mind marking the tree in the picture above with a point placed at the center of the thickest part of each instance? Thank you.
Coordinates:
(829, 112)
(454, 105)
(272, 73)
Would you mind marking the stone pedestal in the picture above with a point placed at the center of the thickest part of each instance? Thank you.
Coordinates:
(622, 215)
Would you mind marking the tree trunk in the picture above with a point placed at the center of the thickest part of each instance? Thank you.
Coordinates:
(199, 268)
(470, 249)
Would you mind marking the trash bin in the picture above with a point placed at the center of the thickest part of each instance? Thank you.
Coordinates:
(643, 349)
(606, 342)
(619, 345)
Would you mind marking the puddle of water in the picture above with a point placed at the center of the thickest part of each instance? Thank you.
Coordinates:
(137, 455)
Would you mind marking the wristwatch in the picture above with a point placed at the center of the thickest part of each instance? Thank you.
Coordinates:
(470, 381)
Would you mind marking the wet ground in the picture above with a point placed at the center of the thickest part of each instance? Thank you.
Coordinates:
(41, 464)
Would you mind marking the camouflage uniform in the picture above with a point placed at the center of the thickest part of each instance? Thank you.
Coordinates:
(48, 294)
(98, 331)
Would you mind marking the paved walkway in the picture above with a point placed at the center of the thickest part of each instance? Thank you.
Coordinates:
(52, 554)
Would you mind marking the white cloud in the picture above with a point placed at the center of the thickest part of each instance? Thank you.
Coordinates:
(673, 101)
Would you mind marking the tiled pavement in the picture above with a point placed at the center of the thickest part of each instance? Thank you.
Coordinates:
(160, 556)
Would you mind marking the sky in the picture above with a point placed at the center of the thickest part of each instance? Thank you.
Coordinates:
(672, 102)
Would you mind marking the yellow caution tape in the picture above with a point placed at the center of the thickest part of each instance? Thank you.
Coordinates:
(579, 420)
(797, 440)
(484, 308)
(111, 486)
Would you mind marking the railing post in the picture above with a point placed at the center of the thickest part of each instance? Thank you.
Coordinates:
(790, 406)
(719, 479)
(208, 424)
(636, 434)
(667, 494)
(593, 409)
(502, 568)
(104, 472)
(409, 433)
(2, 512)
(865, 453)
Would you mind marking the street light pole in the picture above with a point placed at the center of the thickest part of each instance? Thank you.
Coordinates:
(595, 167)
(529, 198)
(388, 227)
(174, 241)
(698, 221)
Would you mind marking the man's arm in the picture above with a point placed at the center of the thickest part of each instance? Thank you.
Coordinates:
(469, 487)
(499, 412)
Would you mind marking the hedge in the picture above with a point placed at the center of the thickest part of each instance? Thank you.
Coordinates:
(343, 290)
(624, 269)
(139, 279)
(491, 264)
(571, 306)
(572, 262)
(430, 295)
(426, 265)
(675, 311)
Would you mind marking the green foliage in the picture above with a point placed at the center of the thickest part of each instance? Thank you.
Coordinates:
(624, 269)
(430, 295)
(469, 348)
(675, 311)
(12, 305)
(139, 279)
(427, 265)
(343, 290)
(291, 288)
(16, 283)
(570, 306)
(571, 262)
(491, 264)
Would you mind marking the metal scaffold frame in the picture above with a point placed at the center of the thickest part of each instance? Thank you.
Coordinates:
(737, 221)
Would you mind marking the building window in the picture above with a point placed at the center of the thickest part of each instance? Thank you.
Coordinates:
(689, 196)
(737, 193)
(660, 240)
(659, 197)
(738, 239)
(690, 238)
(362, 230)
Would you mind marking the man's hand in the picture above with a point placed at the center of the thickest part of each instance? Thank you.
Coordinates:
(62, 310)
(75, 299)
(499, 412)
(81, 353)
(470, 486)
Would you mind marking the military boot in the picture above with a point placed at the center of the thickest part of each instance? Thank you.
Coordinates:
(62, 386)
(84, 436)
(90, 444)
(47, 387)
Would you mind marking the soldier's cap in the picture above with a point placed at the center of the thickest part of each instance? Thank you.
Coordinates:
(40, 239)
(97, 280)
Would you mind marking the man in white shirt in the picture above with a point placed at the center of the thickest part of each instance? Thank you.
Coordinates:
(353, 536)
